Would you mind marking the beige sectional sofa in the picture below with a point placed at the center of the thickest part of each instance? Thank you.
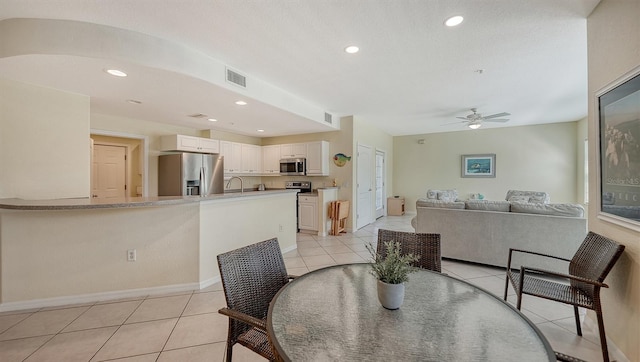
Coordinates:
(483, 231)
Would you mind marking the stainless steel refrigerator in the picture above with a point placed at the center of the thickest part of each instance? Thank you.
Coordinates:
(187, 174)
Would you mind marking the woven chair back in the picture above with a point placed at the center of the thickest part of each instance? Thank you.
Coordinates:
(251, 277)
(594, 259)
(425, 246)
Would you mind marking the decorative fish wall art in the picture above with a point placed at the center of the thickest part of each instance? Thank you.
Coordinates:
(340, 159)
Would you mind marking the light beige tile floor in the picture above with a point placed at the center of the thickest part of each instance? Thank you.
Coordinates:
(187, 327)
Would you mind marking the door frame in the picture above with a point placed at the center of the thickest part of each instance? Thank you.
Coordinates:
(127, 184)
(357, 208)
(144, 157)
(384, 181)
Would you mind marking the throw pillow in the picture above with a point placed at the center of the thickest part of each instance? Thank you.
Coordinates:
(432, 194)
(519, 199)
(448, 195)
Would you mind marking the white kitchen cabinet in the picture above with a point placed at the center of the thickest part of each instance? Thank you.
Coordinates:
(251, 159)
(271, 160)
(293, 150)
(308, 212)
(318, 158)
(232, 153)
(189, 144)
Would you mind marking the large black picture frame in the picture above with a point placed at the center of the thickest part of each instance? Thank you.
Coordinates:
(618, 112)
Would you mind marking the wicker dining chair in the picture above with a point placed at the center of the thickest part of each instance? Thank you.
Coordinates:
(251, 277)
(587, 270)
(425, 246)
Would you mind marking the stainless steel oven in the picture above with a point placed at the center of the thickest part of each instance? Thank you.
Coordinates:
(293, 166)
(304, 186)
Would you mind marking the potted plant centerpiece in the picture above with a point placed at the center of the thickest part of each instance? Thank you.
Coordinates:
(391, 270)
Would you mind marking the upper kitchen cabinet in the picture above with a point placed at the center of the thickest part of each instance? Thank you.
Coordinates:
(232, 153)
(189, 144)
(318, 158)
(251, 159)
(293, 150)
(271, 160)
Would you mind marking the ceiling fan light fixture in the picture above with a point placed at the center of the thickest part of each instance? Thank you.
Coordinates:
(474, 125)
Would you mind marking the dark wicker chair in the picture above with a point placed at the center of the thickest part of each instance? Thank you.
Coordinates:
(425, 246)
(561, 357)
(587, 270)
(251, 277)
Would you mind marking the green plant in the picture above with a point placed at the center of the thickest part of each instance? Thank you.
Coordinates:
(393, 268)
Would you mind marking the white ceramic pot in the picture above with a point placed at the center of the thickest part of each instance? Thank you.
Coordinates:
(390, 296)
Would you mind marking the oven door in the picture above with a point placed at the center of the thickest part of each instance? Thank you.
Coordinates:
(293, 166)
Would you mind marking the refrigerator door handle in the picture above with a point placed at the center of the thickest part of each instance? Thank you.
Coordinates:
(203, 183)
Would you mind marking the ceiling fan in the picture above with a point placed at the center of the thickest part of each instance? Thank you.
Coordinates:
(475, 119)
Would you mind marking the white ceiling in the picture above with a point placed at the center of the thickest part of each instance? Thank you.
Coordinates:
(412, 75)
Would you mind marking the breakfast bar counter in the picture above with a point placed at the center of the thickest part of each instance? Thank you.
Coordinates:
(59, 252)
(89, 203)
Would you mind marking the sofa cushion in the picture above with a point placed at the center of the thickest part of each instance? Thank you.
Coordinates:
(534, 196)
(570, 210)
(440, 204)
(487, 205)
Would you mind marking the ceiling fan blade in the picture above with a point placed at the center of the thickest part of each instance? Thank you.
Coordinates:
(495, 120)
(497, 115)
(465, 118)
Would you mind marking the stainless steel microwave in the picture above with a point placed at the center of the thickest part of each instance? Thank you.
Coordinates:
(293, 166)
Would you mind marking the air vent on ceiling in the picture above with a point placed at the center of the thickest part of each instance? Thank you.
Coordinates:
(236, 78)
(328, 118)
(197, 115)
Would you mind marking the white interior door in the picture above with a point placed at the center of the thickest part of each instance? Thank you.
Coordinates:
(364, 214)
(108, 171)
(380, 191)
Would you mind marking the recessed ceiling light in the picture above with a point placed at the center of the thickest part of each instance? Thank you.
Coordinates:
(260, 130)
(454, 21)
(241, 103)
(134, 101)
(212, 120)
(352, 49)
(116, 72)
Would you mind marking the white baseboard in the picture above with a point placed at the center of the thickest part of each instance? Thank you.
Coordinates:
(101, 297)
(115, 295)
(615, 354)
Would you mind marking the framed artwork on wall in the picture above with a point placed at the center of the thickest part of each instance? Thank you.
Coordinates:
(479, 165)
(618, 115)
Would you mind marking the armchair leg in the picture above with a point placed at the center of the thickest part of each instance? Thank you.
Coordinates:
(577, 315)
(506, 286)
(228, 352)
(603, 337)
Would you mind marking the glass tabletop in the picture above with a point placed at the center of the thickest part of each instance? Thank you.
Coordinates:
(334, 314)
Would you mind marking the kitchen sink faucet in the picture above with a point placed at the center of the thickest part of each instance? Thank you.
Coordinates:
(241, 183)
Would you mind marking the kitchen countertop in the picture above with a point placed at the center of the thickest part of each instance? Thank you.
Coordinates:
(126, 202)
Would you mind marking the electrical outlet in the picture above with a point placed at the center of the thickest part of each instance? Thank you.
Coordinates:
(131, 255)
(281, 229)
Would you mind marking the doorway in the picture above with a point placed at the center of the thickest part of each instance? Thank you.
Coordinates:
(108, 171)
(136, 165)
(364, 189)
(380, 184)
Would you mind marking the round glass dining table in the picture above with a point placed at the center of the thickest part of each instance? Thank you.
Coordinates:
(333, 314)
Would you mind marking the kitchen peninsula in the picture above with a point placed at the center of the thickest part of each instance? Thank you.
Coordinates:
(58, 252)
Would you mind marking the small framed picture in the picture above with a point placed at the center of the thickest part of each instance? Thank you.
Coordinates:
(479, 165)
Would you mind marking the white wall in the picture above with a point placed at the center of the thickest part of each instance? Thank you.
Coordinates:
(613, 34)
(538, 158)
(44, 142)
